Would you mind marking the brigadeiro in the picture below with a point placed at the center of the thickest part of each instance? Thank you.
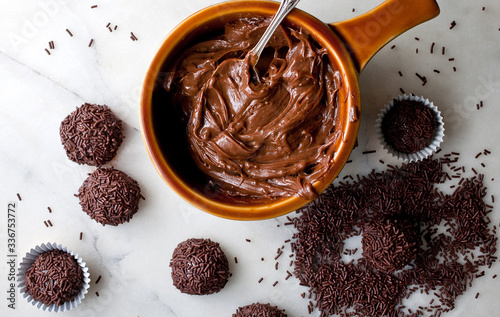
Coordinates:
(91, 135)
(199, 267)
(53, 278)
(389, 244)
(410, 127)
(109, 196)
(259, 310)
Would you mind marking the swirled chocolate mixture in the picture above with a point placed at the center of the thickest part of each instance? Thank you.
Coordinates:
(262, 137)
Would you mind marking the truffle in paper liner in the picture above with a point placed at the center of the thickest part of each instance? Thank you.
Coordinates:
(437, 136)
(28, 261)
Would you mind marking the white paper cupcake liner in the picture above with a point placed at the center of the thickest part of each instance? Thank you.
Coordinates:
(425, 152)
(28, 261)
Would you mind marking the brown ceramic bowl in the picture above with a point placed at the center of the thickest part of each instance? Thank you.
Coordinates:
(350, 45)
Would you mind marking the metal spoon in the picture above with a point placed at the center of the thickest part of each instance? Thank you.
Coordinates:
(285, 8)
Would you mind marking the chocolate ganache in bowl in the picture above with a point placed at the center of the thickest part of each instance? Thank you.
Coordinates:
(251, 148)
(261, 139)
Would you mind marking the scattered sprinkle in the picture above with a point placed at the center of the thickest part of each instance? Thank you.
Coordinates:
(69, 32)
(235, 260)
(452, 24)
(261, 279)
(98, 279)
(275, 283)
(46, 50)
(94, 6)
(97, 293)
(422, 78)
(50, 210)
(91, 42)
(392, 47)
(133, 37)
(432, 47)
(81, 235)
(369, 152)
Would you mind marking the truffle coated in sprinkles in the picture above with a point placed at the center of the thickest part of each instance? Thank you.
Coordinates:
(91, 134)
(54, 278)
(409, 126)
(109, 196)
(259, 310)
(199, 267)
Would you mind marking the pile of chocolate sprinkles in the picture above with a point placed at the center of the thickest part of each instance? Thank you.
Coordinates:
(54, 278)
(91, 134)
(259, 310)
(454, 240)
(199, 267)
(109, 196)
(409, 126)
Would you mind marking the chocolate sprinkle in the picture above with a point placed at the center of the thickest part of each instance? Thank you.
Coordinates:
(91, 135)
(54, 278)
(409, 126)
(109, 196)
(199, 267)
(450, 228)
(259, 310)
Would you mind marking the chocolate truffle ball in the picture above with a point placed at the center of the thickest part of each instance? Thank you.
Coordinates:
(259, 310)
(199, 267)
(54, 278)
(109, 196)
(91, 135)
(390, 244)
(409, 126)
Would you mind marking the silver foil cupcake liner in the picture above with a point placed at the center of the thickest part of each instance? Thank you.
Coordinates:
(28, 261)
(425, 152)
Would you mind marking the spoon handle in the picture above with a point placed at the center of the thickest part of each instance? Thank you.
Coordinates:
(285, 8)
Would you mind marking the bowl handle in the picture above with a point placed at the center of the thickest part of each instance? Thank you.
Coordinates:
(366, 34)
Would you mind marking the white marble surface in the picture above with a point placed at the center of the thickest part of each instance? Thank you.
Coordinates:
(37, 91)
